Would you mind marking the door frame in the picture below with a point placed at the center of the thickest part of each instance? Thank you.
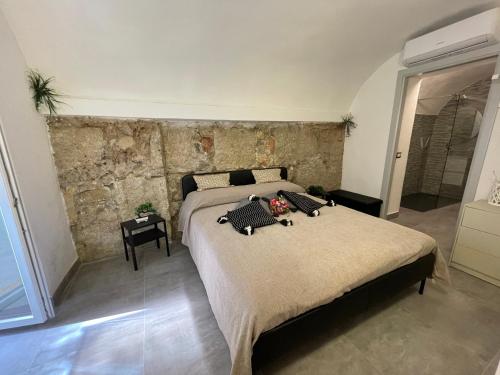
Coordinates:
(23, 246)
(485, 131)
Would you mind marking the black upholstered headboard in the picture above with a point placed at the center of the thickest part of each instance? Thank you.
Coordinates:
(238, 177)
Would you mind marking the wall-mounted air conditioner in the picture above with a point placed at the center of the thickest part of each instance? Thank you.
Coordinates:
(474, 32)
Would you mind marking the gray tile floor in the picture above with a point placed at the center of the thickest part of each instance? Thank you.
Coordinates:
(158, 321)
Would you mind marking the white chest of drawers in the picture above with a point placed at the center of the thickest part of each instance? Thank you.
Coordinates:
(477, 244)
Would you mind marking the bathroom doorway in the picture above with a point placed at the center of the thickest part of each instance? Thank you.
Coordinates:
(447, 121)
(440, 122)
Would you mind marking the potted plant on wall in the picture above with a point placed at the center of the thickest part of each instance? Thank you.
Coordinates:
(349, 124)
(43, 94)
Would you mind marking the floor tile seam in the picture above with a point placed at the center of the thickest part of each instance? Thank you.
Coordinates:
(433, 328)
(39, 349)
(103, 291)
(364, 355)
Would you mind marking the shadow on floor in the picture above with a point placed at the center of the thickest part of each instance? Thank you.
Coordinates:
(158, 320)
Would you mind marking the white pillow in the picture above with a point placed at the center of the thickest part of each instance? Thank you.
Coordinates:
(211, 181)
(266, 175)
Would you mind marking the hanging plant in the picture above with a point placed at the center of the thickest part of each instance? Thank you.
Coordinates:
(43, 94)
(348, 122)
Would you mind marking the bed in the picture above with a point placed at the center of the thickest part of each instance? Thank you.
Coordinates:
(266, 287)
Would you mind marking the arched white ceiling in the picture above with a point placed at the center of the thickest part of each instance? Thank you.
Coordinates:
(437, 87)
(272, 59)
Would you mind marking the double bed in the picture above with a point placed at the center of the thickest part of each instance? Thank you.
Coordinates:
(265, 286)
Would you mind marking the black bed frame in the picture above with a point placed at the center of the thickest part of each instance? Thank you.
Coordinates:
(278, 340)
(238, 177)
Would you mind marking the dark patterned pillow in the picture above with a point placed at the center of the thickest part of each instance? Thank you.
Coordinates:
(304, 203)
(253, 215)
(262, 201)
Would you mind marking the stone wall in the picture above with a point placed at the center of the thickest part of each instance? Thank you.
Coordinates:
(107, 167)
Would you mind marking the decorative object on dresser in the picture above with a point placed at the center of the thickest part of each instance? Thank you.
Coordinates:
(358, 202)
(136, 239)
(494, 197)
(477, 244)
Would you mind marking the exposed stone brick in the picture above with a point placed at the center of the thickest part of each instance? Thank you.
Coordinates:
(107, 167)
(207, 144)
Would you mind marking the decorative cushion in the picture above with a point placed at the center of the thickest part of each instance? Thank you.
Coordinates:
(245, 219)
(264, 202)
(266, 175)
(252, 214)
(211, 181)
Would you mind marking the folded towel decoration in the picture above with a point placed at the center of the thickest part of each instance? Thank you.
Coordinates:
(246, 218)
(305, 204)
(252, 214)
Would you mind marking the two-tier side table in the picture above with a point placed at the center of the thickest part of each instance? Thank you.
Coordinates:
(136, 239)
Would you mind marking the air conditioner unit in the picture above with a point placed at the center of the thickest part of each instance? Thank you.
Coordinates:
(474, 32)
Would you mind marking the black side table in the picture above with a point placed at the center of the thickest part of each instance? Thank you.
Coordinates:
(153, 234)
(358, 202)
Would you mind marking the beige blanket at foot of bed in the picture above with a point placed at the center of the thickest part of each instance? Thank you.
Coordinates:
(255, 283)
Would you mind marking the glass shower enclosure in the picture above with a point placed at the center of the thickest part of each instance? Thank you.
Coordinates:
(441, 148)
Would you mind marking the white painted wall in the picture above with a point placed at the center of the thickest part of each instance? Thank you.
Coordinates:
(407, 120)
(29, 150)
(216, 111)
(224, 59)
(365, 150)
(491, 162)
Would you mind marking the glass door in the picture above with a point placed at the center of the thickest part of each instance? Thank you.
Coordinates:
(20, 300)
(462, 143)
